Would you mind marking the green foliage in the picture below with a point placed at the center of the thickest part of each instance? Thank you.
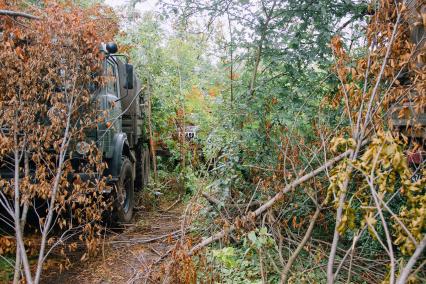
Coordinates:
(291, 83)
(265, 103)
(236, 266)
(241, 263)
(259, 239)
(226, 256)
(6, 269)
(178, 76)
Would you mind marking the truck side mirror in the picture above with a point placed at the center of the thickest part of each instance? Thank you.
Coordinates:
(129, 77)
(111, 47)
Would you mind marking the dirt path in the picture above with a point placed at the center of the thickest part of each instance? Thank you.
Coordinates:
(130, 255)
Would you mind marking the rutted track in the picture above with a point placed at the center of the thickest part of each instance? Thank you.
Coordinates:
(131, 255)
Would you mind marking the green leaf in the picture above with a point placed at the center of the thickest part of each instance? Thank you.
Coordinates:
(252, 237)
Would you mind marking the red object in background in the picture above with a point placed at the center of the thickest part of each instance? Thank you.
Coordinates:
(416, 157)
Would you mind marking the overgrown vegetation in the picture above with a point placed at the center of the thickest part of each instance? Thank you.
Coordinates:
(307, 163)
(49, 59)
(299, 83)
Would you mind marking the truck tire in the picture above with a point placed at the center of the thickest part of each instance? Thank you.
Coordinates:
(125, 200)
(142, 167)
(140, 172)
(139, 167)
(147, 167)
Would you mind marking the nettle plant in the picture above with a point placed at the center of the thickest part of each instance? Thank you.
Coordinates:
(49, 70)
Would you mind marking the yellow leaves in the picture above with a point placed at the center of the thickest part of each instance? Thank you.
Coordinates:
(342, 226)
(348, 220)
(397, 158)
(338, 177)
(385, 152)
(368, 155)
(340, 144)
(412, 215)
(383, 166)
(370, 219)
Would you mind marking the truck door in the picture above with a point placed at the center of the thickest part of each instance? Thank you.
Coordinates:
(111, 108)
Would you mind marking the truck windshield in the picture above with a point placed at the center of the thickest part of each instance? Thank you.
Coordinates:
(111, 77)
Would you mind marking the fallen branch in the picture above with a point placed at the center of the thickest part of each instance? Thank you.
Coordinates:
(216, 202)
(212, 200)
(18, 14)
(272, 201)
(154, 250)
(160, 259)
(145, 241)
(171, 206)
(286, 270)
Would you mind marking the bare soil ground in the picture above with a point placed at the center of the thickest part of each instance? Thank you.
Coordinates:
(130, 255)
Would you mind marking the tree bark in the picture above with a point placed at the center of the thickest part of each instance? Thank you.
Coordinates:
(23, 220)
(55, 187)
(18, 231)
(407, 269)
(18, 14)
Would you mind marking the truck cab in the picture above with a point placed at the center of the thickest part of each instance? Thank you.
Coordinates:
(120, 136)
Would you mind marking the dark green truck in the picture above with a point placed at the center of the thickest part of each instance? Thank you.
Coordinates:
(120, 137)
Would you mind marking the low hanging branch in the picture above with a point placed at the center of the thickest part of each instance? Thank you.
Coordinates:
(18, 14)
(259, 211)
(217, 203)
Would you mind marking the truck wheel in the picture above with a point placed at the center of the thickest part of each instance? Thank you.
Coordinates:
(125, 193)
(146, 167)
(142, 167)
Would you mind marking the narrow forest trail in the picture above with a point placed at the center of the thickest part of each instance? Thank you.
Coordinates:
(131, 255)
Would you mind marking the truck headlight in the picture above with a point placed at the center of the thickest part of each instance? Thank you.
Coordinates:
(82, 148)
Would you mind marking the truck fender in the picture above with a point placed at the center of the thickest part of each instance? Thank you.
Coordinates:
(121, 148)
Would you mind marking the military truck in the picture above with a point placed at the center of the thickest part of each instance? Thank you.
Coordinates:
(121, 138)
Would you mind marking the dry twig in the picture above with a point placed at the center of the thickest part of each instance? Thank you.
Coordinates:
(18, 14)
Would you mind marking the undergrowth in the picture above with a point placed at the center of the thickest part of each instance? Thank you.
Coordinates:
(6, 268)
